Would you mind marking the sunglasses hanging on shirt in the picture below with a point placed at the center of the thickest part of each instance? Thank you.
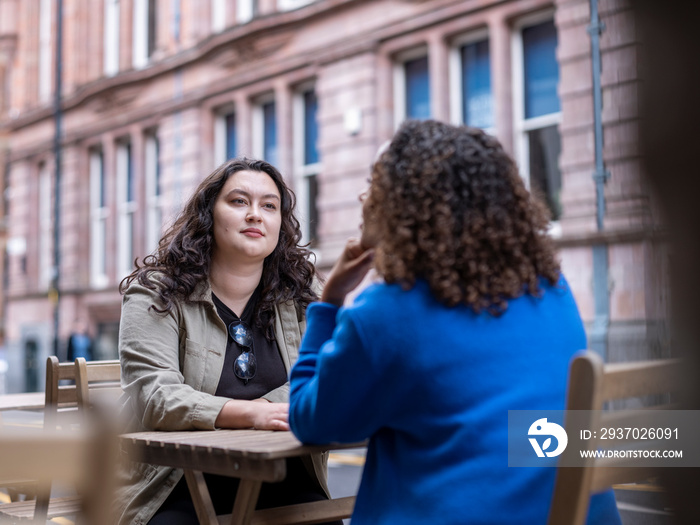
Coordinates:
(245, 365)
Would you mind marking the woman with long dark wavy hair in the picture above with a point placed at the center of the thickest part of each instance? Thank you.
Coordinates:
(473, 319)
(211, 324)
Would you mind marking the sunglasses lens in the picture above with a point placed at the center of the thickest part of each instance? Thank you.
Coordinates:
(245, 366)
(240, 334)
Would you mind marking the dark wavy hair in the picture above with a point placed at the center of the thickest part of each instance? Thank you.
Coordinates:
(183, 257)
(449, 207)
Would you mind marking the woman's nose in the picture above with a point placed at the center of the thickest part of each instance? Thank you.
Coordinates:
(253, 215)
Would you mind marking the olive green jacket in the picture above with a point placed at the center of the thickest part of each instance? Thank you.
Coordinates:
(171, 365)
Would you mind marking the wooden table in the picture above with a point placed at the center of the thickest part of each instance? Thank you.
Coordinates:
(254, 456)
(24, 401)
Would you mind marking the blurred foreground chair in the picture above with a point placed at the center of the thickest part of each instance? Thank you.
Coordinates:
(68, 390)
(83, 458)
(591, 384)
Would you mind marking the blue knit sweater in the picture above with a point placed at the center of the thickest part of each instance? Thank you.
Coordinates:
(431, 387)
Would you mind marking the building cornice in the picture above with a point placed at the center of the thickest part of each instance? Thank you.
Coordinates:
(258, 38)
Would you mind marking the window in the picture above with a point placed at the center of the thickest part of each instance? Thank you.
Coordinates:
(417, 88)
(476, 97)
(45, 48)
(541, 70)
(265, 131)
(126, 206)
(218, 15)
(538, 111)
(111, 38)
(412, 87)
(269, 133)
(153, 192)
(45, 228)
(144, 33)
(99, 212)
(225, 136)
(306, 162)
(246, 10)
(152, 26)
(231, 135)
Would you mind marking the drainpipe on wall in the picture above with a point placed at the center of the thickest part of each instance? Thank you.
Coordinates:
(601, 290)
(54, 295)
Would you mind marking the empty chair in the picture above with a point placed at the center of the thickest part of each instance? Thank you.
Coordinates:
(592, 383)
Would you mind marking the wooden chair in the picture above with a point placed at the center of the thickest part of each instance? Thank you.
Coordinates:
(591, 384)
(67, 398)
(97, 382)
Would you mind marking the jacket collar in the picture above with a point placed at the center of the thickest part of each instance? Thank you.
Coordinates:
(202, 293)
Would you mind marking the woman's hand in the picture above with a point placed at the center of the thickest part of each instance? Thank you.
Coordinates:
(254, 414)
(348, 272)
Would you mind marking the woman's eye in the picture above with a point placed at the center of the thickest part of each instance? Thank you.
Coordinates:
(238, 200)
(270, 206)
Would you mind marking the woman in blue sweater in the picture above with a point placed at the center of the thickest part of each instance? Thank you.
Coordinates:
(473, 319)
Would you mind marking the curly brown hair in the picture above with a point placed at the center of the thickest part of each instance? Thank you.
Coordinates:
(449, 207)
(183, 257)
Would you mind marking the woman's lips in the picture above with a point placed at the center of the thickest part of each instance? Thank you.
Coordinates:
(252, 232)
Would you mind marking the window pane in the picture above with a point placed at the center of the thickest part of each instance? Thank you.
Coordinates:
(156, 144)
(102, 179)
(541, 70)
(545, 177)
(129, 175)
(477, 101)
(312, 212)
(231, 135)
(152, 25)
(111, 37)
(269, 133)
(417, 88)
(310, 128)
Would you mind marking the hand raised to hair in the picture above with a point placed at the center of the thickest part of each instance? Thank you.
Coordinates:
(348, 272)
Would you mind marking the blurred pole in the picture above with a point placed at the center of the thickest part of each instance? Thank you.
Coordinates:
(670, 110)
(54, 295)
(601, 289)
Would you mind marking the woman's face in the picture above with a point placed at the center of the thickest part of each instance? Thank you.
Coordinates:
(247, 217)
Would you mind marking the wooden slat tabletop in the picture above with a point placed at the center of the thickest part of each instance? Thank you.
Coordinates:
(251, 444)
(24, 401)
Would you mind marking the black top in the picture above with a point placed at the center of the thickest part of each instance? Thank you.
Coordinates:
(270, 373)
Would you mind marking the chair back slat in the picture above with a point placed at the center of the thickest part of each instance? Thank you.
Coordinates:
(101, 379)
(101, 371)
(625, 380)
(65, 395)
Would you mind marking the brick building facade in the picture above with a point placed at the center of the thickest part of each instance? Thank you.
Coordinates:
(158, 93)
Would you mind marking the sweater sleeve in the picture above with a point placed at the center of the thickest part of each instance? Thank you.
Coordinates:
(337, 387)
(149, 352)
